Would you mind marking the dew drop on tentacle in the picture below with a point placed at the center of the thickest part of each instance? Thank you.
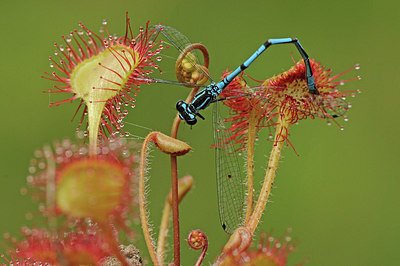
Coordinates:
(32, 169)
(29, 179)
(68, 153)
(41, 165)
(82, 150)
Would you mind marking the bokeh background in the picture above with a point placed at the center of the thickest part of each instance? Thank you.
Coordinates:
(340, 195)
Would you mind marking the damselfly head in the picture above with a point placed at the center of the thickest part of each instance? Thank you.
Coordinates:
(185, 113)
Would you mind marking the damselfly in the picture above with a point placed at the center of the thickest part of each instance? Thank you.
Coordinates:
(230, 178)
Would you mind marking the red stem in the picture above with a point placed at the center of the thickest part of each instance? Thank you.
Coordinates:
(174, 190)
(174, 167)
(175, 209)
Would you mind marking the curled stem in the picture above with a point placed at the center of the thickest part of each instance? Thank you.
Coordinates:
(181, 78)
(198, 240)
(174, 134)
(167, 145)
(181, 65)
(282, 127)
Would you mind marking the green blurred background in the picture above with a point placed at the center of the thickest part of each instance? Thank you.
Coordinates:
(340, 195)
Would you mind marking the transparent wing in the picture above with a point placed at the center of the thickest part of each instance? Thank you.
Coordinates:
(230, 178)
(155, 80)
(180, 42)
(332, 108)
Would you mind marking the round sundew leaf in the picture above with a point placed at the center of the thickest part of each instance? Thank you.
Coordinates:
(102, 76)
(90, 188)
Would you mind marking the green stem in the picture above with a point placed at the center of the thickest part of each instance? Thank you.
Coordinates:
(95, 111)
(251, 137)
(282, 127)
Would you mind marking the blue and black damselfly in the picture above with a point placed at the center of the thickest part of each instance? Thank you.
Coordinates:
(230, 178)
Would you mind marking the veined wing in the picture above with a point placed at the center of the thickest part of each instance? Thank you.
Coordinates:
(230, 177)
(333, 108)
(156, 80)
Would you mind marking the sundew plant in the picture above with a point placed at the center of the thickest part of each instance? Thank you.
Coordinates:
(91, 190)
